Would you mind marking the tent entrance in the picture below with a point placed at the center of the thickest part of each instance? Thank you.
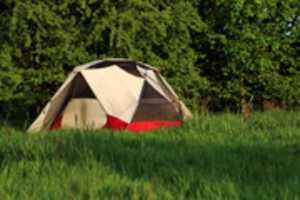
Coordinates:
(153, 106)
(83, 113)
(81, 110)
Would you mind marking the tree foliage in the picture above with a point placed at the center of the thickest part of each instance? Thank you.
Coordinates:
(220, 49)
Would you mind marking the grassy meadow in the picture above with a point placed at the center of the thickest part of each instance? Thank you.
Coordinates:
(213, 156)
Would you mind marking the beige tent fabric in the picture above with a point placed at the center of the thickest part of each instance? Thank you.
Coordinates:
(39, 122)
(49, 112)
(154, 106)
(170, 89)
(153, 80)
(67, 82)
(161, 85)
(83, 113)
(185, 111)
(149, 66)
(118, 91)
(56, 105)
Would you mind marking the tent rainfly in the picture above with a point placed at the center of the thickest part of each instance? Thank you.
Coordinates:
(116, 94)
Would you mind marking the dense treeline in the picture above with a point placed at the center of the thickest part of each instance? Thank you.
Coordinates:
(216, 53)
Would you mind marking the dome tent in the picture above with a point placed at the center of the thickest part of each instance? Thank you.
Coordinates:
(116, 94)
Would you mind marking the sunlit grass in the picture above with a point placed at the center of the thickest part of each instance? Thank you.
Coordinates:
(213, 156)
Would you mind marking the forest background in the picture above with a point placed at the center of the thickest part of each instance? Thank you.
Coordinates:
(219, 55)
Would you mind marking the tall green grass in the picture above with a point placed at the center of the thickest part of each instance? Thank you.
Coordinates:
(211, 157)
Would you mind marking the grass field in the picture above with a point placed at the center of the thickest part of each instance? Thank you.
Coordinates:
(210, 157)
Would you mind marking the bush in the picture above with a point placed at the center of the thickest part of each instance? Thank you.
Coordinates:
(224, 50)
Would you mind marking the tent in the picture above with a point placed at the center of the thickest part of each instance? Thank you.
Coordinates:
(116, 94)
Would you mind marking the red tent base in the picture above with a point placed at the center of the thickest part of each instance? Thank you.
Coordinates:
(144, 126)
(56, 124)
(137, 126)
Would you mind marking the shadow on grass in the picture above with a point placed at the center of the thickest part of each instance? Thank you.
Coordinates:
(168, 160)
